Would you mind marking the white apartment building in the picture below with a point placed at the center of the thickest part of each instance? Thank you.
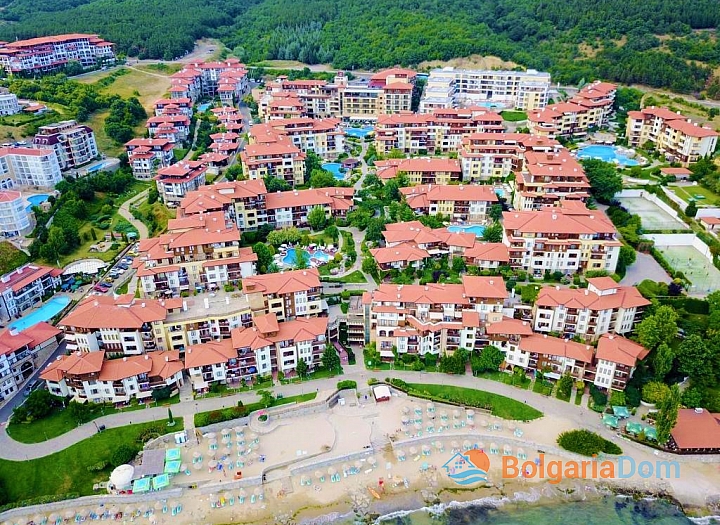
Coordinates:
(15, 220)
(74, 144)
(288, 295)
(8, 103)
(25, 287)
(603, 307)
(146, 156)
(449, 87)
(29, 167)
(176, 180)
(40, 55)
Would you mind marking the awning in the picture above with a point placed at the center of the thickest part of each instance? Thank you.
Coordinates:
(650, 433)
(172, 454)
(172, 467)
(141, 485)
(161, 481)
(610, 421)
(633, 428)
(621, 412)
(386, 353)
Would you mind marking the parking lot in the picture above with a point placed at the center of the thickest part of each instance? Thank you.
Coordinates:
(118, 273)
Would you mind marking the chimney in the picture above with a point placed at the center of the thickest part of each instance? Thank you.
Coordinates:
(125, 358)
(142, 305)
(14, 331)
(184, 306)
(96, 303)
(207, 303)
(147, 357)
(587, 292)
(167, 359)
(19, 271)
(545, 336)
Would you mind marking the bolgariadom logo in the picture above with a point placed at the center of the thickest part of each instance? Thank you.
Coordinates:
(468, 468)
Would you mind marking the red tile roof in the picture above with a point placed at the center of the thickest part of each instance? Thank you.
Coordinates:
(283, 282)
(625, 297)
(102, 312)
(21, 277)
(213, 353)
(696, 430)
(617, 349)
(543, 344)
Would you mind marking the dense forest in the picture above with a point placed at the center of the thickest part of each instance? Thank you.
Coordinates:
(576, 39)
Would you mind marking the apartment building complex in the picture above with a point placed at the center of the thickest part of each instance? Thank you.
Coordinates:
(15, 220)
(547, 178)
(197, 252)
(421, 170)
(461, 203)
(286, 294)
(89, 377)
(324, 137)
(174, 127)
(44, 54)
(386, 92)
(451, 88)
(492, 156)
(173, 106)
(226, 79)
(18, 351)
(74, 144)
(603, 307)
(672, 134)
(146, 156)
(282, 160)
(568, 238)
(24, 287)
(8, 102)
(29, 167)
(440, 131)
(175, 181)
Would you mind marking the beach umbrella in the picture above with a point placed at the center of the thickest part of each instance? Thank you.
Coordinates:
(212, 464)
(405, 420)
(430, 425)
(304, 480)
(319, 475)
(493, 446)
(213, 499)
(507, 450)
(426, 449)
(405, 410)
(225, 432)
(455, 446)
(198, 466)
(210, 435)
(129, 509)
(69, 514)
(358, 465)
(158, 505)
(413, 451)
(114, 510)
(197, 455)
(52, 518)
(467, 445)
(443, 414)
(470, 414)
(456, 414)
(100, 511)
(418, 426)
(480, 445)
(345, 468)
(400, 454)
(37, 519)
(512, 426)
(242, 493)
(332, 471)
(212, 453)
(142, 509)
(212, 442)
(252, 436)
(153, 519)
(239, 431)
(83, 512)
(258, 491)
(372, 461)
(438, 445)
(520, 452)
(254, 445)
(229, 464)
(483, 423)
(226, 439)
(227, 496)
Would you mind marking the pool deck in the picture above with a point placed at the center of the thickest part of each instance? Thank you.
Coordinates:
(29, 313)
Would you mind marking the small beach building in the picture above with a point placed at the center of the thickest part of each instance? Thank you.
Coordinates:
(697, 431)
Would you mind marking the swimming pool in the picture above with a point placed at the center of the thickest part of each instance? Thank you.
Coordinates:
(202, 108)
(45, 312)
(96, 167)
(606, 153)
(491, 105)
(35, 200)
(359, 133)
(335, 168)
(469, 228)
(290, 258)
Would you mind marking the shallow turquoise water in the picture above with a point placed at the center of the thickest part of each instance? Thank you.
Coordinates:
(45, 312)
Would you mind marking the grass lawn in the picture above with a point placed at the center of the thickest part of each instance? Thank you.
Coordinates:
(563, 398)
(513, 116)
(105, 143)
(123, 288)
(542, 387)
(353, 277)
(11, 257)
(202, 418)
(143, 83)
(690, 192)
(66, 471)
(161, 213)
(61, 422)
(161, 67)
(321, 238)
(500, 405)
(521, 381)
(578, 397)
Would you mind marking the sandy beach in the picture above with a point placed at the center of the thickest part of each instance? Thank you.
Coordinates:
(369, 459)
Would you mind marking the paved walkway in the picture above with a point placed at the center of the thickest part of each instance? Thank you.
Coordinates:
(124, 210)
(644, 267)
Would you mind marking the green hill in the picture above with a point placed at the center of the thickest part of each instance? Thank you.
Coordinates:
(661, 43)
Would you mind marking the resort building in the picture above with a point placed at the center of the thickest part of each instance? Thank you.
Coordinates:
(288, 295)
(487, 255)
(8, 103)
(175, 127)
(565, 119)
(547, 178)
(451, 88)
(492, 156)
(197, 252)
(29, 167)
(225, 143)
(74, 144)
(173, 106)
(175, 181)
(146, 156)
(25, 287)
(421, 170)
(671, 134)
(615, 361)
(434, 318)
(461, 203)
(433, 133)
(230, 118)
(44, 54)
(318, 99)
(18, 351)
(568, 238)
(226, 79)
(597, 95)
(15, 219)
(696, 432)
(603, 307)
(291, 208)
(282, 160)
(324, 137)
(89, 377)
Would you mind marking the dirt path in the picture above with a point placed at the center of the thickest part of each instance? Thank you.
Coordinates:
(124, 211)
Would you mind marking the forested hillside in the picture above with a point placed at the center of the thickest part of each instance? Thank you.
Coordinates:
(662, 43)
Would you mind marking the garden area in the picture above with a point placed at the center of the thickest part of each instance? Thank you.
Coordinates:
(587, 443)
(72, 472)
(267, 400)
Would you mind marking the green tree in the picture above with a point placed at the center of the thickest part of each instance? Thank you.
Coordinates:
(666, 416)
(696, 358)
(662, 361)
(39, 404)
(495, 212)
(369, 265)
(273, 184)
(605, 181)
(330, 359)
(627, 256)
(489, 360)
(171, 420)
(691, 209)
(267, 398)
(322, 179)
(123, 454)
(285, 236)
(391, 191)
(661, 327)
(234, 172)
(301, 368)
(458, 265)
(153, 194)
(264, 254)
(564, 385)
(371, 355)
(316, 218)
(493, 233)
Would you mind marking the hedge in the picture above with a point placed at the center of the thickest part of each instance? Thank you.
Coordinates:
(586, 443)
(42, 500)
(347, 384)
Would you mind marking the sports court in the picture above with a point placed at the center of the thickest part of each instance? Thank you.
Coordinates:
(705, 278)
(652, 216)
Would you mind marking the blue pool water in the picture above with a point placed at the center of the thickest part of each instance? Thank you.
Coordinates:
(606, 153)
(335, 168)
(36, 200)
(470, 228)
(202, 108)
(96, 167)
(500, 192)
(360, 133)
(291, 257)
(491, 105)
(45, 312)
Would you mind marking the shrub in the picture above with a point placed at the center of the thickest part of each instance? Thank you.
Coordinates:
(654, 392)
(123, 454)
(586, 443)
(346, 384)
(97, 467)
(399, 383)
(599, 399)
